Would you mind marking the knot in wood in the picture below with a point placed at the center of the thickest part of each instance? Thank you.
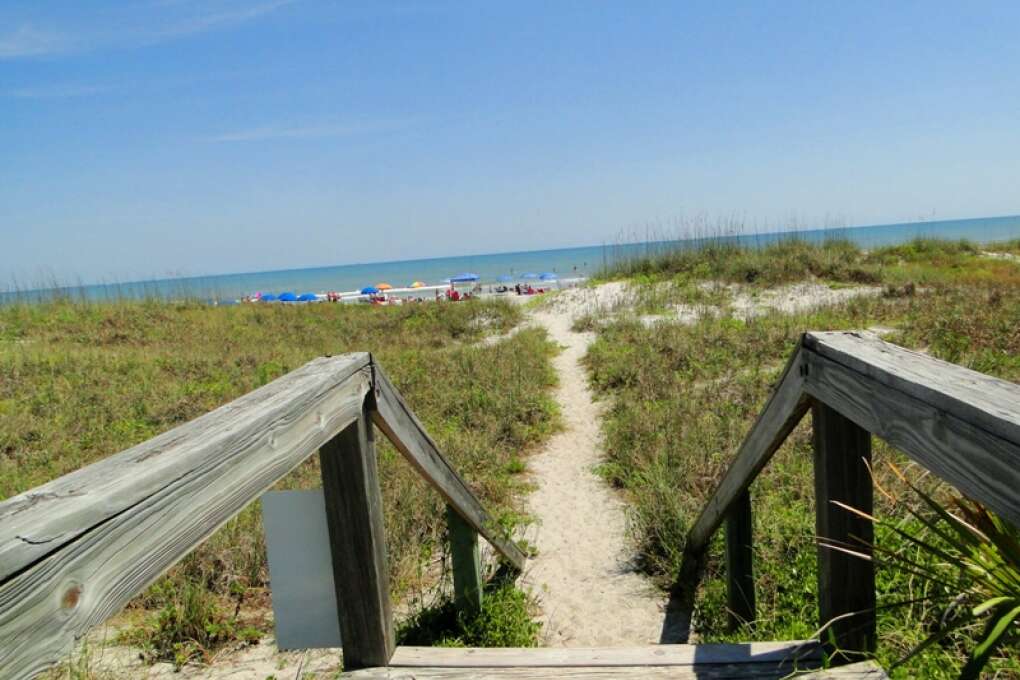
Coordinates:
(71, 597)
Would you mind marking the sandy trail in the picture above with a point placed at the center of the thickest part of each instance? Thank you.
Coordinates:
(589, 594)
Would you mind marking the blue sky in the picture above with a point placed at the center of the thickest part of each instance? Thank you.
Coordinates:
(157, 137)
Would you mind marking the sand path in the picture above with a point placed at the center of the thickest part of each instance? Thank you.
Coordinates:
(588, 592)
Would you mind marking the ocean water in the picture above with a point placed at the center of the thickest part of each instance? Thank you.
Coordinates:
(565, 262)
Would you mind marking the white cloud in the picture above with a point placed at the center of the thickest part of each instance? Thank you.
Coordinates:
(147, 29)
(268, 132)
(27, 41)
(57, 91)
(213, 20)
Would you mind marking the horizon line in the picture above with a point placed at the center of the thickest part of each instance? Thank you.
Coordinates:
(604, 244)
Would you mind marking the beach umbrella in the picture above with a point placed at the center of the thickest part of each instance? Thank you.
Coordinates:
(383, 286)
(268, 297)
(417, 284)
(464, 278)
(288, 297)
(548, 276)
(529, 275)
(369, 290)
(307, 297)
(504, 278)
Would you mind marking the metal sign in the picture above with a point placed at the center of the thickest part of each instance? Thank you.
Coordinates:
(300, 570)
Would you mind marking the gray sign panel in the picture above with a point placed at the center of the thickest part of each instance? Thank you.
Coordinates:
(300, 570)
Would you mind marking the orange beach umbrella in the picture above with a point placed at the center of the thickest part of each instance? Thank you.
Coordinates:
(383, 286)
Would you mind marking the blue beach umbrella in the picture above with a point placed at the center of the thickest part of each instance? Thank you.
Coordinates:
(288, 297)
(529, 275)
(464, 278)
(369, 290)
(268, 297)
(307, 297)
(548, 276)
(504, 278)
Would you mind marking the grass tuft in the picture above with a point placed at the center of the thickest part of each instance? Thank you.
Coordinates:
(504, 621)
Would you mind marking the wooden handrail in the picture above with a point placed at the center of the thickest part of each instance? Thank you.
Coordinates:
(784, 409)
(962, 425)
(398, 422)
(75, 550)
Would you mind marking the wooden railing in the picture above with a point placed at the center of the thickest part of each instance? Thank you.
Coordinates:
(962, 425)
(75, 550)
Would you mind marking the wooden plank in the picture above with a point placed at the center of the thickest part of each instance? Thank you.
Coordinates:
(467, 563)
(721, 672)
(784, 409)
(740, 562)
(846, 584)
(771, 660)
(862, 670)
(38, 521)
(649, 655)
(980, 464)
(350, 485)
(782, 412)
(982, 400)
(408, 435)
(75, 550)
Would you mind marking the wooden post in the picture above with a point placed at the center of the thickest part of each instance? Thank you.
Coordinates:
(846, 583)
(740, 562)
(467, 564)
(350, 485)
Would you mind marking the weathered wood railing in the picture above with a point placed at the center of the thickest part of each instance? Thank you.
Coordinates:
(75, 550)
(962, 425)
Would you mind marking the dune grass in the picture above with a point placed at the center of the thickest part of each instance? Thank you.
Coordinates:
(681, 398)
(922, 261)
(82, 381)
(726, 260)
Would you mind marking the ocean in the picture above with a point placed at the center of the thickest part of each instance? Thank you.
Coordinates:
(564, 262)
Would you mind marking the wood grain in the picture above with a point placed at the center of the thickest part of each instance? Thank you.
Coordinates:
(402, 427)
(757, 660)
(75, 550)
(651, 655)
(846, 583)
(979, 399)
(467, 563)
(740, 562)
(354, 515)
(784, 409)
(863, 671)
(982, 465)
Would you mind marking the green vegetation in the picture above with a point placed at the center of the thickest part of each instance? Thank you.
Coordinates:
(923, 261)
(682, 398)
(781, 262)
(504, 621)
(970, 558)
(82, 381)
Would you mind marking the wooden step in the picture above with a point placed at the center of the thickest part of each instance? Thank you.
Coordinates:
(758, 660)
